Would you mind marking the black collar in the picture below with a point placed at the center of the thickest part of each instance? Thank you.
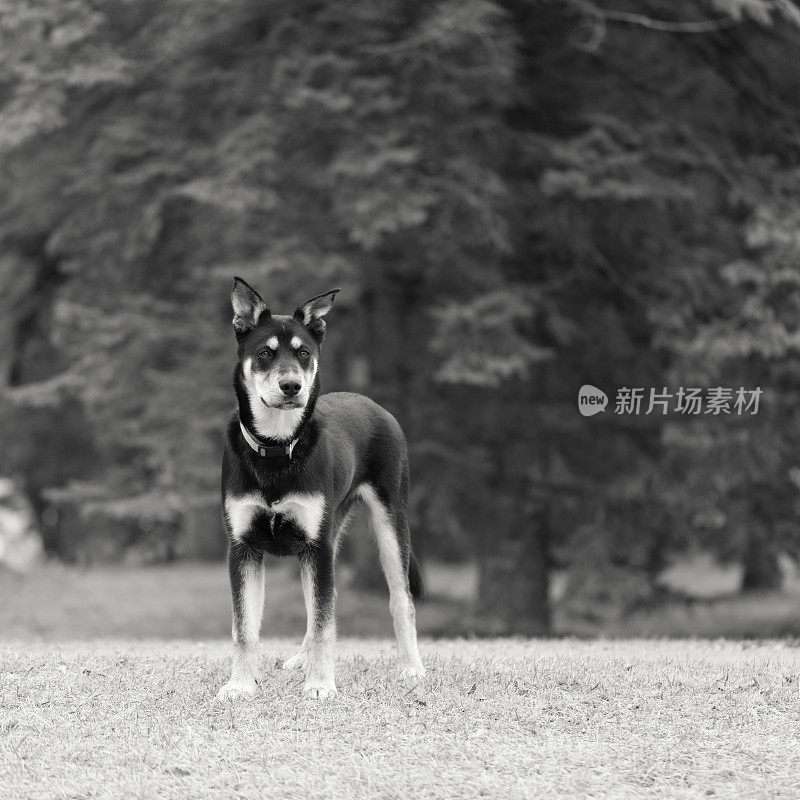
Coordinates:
(266, 450)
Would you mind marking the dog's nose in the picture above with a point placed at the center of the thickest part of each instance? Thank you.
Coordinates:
(289, 386)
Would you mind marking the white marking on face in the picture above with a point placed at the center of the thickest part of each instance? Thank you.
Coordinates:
(264, 393)
(307, 510)
(272, 342)
(265, 396)
(296, 342)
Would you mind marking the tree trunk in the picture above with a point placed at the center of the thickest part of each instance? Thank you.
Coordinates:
(760, 571)
(514, 578)
(513, 590)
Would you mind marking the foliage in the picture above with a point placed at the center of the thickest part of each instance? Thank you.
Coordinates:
(518, 198)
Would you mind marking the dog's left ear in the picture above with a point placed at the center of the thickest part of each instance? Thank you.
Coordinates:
(312, 311)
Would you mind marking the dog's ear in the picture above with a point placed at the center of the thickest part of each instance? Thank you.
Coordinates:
(248, 307)
(312, 311)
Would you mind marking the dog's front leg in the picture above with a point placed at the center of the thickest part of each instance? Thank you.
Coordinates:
(321, 624)
(246, 570)
(300, 659)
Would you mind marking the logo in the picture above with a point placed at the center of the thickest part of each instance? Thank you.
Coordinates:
(693, 400)
(591, 400)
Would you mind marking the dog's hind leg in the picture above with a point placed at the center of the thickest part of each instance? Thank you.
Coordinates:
(394, 548)
(300, 659)
(246, 570)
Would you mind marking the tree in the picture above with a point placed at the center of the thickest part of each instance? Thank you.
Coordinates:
(518, 198)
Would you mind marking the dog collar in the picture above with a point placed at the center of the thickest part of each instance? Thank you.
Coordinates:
(267, 450)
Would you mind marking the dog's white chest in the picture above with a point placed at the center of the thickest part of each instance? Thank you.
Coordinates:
(305, 509)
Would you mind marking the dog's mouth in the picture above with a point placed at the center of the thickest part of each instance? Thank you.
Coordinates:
(283, 405)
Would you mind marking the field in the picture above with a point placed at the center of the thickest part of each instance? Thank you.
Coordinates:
(192, 601)
(108, 678)
(505, 719)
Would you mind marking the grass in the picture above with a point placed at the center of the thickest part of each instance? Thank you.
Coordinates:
(192, 601)
(505, 719)
(103, 696)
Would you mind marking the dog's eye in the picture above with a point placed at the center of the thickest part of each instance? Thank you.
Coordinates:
(266, 353)
(303, 353)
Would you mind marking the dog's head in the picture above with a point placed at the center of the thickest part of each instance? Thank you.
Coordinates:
(278, 356)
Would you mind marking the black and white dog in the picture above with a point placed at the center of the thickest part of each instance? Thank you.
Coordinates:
(294, 465)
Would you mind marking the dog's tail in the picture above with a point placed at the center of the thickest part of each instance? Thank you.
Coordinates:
(415, 581)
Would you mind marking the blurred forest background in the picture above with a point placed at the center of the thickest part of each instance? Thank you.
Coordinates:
(516, 198)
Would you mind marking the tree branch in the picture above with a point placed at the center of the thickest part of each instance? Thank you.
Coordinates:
(789, 10)
(661, 25)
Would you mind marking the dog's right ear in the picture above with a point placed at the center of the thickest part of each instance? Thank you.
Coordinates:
(248, 307)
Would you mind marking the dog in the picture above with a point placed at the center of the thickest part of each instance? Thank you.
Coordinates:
(294, 466)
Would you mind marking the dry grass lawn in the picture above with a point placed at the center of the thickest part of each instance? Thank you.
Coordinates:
(505, 719)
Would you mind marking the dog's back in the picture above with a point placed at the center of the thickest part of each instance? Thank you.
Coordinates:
(369, 428)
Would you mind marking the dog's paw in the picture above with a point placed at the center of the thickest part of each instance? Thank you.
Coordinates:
(237, 690)
(297, 661)
(319, 689)
(412, 672)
